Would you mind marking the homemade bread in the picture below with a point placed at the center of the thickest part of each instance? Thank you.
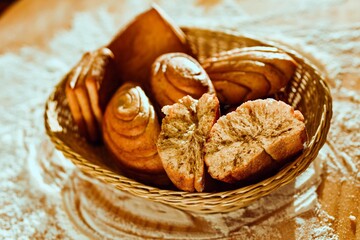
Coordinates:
(249, 73)
(250, 139)
(175, 75)
(90, 84)
(183, 133)
(131, 129)
(145, 38)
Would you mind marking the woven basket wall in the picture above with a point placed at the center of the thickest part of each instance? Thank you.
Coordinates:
(307, 92)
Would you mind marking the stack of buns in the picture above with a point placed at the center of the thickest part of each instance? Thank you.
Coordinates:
(164, 113)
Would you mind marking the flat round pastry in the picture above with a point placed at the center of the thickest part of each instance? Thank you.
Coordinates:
(175, 75)
(256, 136)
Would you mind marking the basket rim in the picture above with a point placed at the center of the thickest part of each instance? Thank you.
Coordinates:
(173, 196)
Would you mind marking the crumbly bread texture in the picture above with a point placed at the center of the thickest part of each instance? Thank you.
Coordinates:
(257, 135)
(131, 129)
(249, 73)
(183, 133)
(175, 75)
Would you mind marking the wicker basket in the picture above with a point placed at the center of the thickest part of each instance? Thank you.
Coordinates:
(307, 92)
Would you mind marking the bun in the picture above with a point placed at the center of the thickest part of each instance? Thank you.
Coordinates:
(90, 84)
(254, 137)
(183, 133)
(101, 81)
(131, 129)
(249, 73)
(145, 38)
(175, 75)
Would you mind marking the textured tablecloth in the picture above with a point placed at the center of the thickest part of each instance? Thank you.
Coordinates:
(41, 40)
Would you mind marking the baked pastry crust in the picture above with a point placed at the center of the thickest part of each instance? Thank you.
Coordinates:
(175, 75)
(90, 84)
(249, 73)
(101, 82)
(131, 129)
(72, 98)
(254, 137)
(183, 133)
(148, 36)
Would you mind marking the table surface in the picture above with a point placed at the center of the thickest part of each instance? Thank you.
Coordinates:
(41, 40)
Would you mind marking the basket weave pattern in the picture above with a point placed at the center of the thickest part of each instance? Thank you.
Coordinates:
(307, 92)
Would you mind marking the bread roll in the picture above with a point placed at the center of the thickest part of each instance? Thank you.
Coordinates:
(76, 108)
(145, 38)
(257, 135)
(175, 75)
(101, 81)
(131, 129)
(90, 84)
(249, 73)
(183, 133)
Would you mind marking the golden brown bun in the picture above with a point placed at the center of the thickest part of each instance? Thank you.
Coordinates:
(148, 36)
(183, 133)
(72, 78)
(131, 129)
(102, 81)
(175, 75)
(90, 84)
(249, 73)
(254, 137)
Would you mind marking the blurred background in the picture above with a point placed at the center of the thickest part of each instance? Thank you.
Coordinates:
(4, 4)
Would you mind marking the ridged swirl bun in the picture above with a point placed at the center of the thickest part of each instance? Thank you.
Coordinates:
(131, 129)
(175, 75)
(249, 73)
